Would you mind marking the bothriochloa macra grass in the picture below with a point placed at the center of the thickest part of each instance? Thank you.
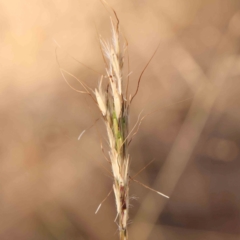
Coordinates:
(113, 100)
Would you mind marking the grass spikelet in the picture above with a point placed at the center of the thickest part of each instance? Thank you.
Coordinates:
(115, 115)
(114, 102)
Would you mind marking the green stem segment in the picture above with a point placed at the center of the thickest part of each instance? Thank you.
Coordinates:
(119, 128)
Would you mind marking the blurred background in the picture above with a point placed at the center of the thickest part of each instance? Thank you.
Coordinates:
(51, 184)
